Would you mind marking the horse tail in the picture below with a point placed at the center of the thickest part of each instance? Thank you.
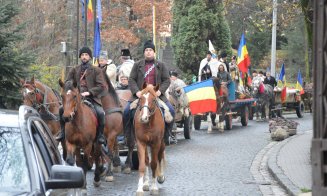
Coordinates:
(111, 89)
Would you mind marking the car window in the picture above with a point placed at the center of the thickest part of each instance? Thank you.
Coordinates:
(14, 175)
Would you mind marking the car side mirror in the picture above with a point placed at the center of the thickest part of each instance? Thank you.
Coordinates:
(63, 176)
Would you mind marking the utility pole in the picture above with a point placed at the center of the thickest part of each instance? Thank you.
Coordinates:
(273, 40)
(85, 22)
(77, 30)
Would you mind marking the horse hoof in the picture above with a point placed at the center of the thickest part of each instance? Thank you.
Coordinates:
(103, 172)
(161, 179)
(127, 170)
(96, 184)
(117, 169)
(109, 178)
(146, 187)
(139, 193)
(154, 192)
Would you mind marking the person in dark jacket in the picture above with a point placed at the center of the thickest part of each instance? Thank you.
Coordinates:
(223, 76)
(270, 80)
(153, 72)
(91, 84)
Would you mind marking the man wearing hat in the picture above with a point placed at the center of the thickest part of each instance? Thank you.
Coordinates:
(153, 72)
(223, 60)
(91, 84)
(107, 65)
(127, 63)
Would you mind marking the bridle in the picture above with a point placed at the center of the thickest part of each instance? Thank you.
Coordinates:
(153, 110)
(73, 113)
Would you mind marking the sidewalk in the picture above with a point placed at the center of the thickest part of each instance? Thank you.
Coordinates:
(290, 163)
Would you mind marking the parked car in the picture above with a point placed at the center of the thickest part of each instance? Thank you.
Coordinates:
(30, 163)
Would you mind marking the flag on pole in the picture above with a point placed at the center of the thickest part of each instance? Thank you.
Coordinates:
(99, 12)
(89, 11)
(97, 39)
(83, 9)
(299, 83)
(282, 74)
(212, 50)
(243, 58)
(201, 97)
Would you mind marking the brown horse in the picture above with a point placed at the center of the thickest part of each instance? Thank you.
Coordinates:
(222, 103)
(113, 127)
(44, 100)
(149, 131)
(80, 130)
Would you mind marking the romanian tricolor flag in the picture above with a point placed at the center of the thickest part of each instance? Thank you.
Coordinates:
(299, 83)
(243, 58)
(89, 11)
(283, 80)
(201, 97)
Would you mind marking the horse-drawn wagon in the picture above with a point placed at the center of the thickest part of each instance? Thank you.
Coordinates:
(229, 109)
(291, 101)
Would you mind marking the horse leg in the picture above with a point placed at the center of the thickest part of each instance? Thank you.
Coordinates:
(155, 148)
(146, 171)
(111, 139)
(95, 149)
(116, 160)
(130, 144)
(161, 160)
(70, 153)
(141, 153)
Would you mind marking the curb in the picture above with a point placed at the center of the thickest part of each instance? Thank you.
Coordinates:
(278, 173)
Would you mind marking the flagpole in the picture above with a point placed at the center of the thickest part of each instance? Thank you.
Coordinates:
(273, 39)
(154, 24)
(77, 31)
(85, 22)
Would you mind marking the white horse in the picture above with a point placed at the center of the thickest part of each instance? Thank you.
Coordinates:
(265, 95)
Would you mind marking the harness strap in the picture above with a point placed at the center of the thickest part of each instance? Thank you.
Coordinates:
(113, 110)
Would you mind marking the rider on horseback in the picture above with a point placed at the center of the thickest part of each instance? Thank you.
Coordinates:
(152, 72)
(91, 84)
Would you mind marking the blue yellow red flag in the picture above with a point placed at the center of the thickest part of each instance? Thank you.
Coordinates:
(299, 83)
(243, 58)
(97, 40)
(201, 97)
(89, 11)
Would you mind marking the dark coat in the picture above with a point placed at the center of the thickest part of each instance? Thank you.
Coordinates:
(272, 81)
(95, 82)
(136, 79)
(224, 77)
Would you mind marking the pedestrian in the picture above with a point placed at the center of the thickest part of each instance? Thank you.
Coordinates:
(254, 74)
(153, 72)
(223, 60)
(123, 83)
(91, 84)
(270, 80)
(108, 66)
(234, 71)
(127, 63)
(223, 76)
(205, 69)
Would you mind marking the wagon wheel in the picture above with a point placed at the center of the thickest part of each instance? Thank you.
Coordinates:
(245, 116)
(187, 127)
(300, 109)
(228, 121)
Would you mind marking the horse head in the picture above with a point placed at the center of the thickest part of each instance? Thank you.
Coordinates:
(148, 102)
(32, 96)
(257, 86)
(70, 99)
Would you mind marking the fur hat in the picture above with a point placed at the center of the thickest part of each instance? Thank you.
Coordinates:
(125, 52)
(173, 73)
(85, 49)
(103, 55)
(149, 44)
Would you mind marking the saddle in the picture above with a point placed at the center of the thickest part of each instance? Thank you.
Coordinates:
(89, 104)
(164, 109)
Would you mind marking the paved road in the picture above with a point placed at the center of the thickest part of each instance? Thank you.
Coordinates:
(210, 164)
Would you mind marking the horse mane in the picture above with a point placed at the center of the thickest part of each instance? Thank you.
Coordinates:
(69, 85)
(111, 90)
(149, 88)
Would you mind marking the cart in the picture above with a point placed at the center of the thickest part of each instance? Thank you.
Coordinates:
(292, 102)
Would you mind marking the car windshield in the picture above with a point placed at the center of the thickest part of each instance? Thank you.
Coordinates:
(14, 175)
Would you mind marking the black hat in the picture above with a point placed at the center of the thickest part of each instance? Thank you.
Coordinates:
(125, 52)
(223, 54)
(209, 52)
(173, 73)
(85, 49)
(149, 44)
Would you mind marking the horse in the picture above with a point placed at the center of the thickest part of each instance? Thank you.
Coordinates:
(307, 97)
(80, 130)
(223, 106)
(265, 97)
(113, 127)
(149, 131)
(46, 101)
